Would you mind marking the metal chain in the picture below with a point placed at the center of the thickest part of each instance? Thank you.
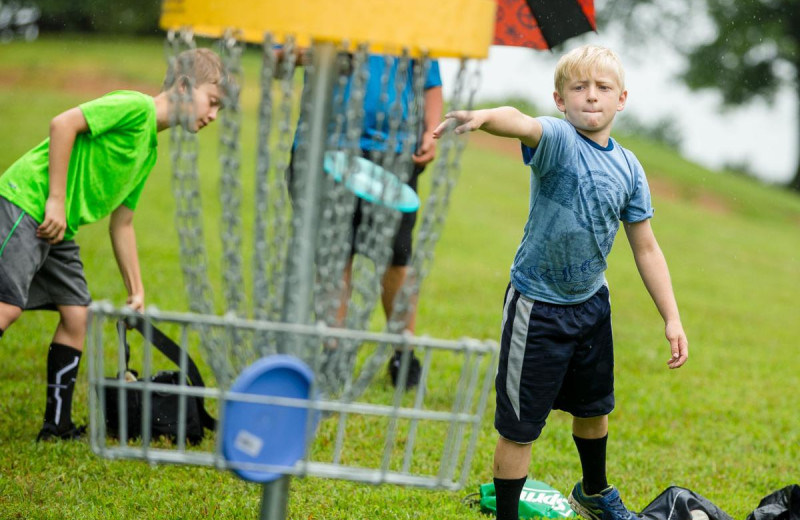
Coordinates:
(230, 183)
(379, 223)
(230, 193)
(272, 212)
(186, 185)
(186, 192)
(401, 307)
(337, 210)
(444, 178)
(261, 244)
(335, 250)
(274, 216)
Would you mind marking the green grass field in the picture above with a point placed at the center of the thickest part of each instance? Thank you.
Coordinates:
(725, 425)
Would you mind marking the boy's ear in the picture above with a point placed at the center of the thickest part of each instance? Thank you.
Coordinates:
(560, 105)
(623, 98)
(183, 82)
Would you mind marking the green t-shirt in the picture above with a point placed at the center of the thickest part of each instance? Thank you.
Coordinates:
(108, 166)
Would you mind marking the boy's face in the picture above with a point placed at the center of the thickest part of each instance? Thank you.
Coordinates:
(207, 101)
(590, 102)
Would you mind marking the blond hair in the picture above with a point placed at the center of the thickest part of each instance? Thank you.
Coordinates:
(200, 65)
(584, 60)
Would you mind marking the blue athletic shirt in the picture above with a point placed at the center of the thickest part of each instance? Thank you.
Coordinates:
(579, 193)
(380, 98)
(375, 108)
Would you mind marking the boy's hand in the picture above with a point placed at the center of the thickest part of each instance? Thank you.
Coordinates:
(426, 151)
(135, 302)
(54, 224)
(461, 121)
(678, 343)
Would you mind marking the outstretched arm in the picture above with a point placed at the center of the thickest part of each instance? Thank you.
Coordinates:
(63, 130)
(500, 121)
(653, 269)
(123, 241)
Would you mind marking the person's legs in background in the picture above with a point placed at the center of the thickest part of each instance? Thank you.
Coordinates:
(395, 277)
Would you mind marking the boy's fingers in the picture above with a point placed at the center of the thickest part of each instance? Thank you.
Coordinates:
(443, 127)
(44, 230)
(680, 353)
(50, 229)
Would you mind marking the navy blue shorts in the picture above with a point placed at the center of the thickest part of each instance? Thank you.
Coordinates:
(553, 357)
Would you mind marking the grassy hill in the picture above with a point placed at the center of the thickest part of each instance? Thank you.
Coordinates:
(725, 425)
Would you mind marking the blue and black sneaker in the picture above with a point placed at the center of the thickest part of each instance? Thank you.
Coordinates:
(606, 505)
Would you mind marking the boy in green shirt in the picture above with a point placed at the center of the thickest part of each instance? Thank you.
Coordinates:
(94, 164)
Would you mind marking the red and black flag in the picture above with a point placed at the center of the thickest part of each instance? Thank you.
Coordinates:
(541, 24)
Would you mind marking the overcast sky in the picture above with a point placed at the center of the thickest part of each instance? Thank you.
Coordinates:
(764, 137)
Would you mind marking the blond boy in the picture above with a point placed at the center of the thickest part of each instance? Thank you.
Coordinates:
(556, 343)
(94, 163)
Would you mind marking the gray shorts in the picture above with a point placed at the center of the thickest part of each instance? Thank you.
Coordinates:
(33, 273)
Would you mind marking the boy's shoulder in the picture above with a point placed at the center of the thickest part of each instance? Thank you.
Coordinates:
(120, 109)
(557, 125)
(626, 152)
(118, 96)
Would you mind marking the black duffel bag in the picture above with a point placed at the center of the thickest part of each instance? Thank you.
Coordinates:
(164, 405)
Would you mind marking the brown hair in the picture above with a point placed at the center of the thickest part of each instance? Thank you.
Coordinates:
(200, 65)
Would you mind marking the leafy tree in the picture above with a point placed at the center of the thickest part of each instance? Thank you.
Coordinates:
(752, 48)
(102, 16)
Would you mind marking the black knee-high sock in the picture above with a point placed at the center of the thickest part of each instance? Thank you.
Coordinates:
(593, 462)
(1, 333)
(507, 492)
(62, 368)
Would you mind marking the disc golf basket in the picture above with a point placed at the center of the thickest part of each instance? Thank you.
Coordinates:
(288, 342)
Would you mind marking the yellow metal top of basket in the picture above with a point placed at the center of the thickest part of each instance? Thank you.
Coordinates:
(442, 28)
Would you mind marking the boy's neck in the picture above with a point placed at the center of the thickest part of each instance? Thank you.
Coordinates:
(600, 137)
(161, 101)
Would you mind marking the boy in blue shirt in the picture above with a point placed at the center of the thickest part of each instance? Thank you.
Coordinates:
(556, 344)
(94, 164)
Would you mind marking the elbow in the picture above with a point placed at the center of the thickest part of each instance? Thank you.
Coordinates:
(120, 220)
(56, 125)
(61, 126)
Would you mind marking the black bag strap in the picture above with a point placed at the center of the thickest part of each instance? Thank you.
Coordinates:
(172, 351)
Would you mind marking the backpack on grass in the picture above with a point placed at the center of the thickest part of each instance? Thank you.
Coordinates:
(164, 405)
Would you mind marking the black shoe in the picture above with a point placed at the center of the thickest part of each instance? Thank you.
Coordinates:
(414, 369)
(50, 432)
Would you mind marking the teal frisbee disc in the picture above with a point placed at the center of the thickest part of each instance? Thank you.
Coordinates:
(370, 181)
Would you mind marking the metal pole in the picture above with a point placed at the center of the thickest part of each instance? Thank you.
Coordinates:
(275, 498)
(302, 252)
(301, 259)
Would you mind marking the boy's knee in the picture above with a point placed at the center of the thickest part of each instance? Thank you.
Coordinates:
(590, 427)
(74, 318)
(516, 431)
(8, 315)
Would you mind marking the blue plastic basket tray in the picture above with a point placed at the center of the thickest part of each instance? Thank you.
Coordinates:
(261, 433)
